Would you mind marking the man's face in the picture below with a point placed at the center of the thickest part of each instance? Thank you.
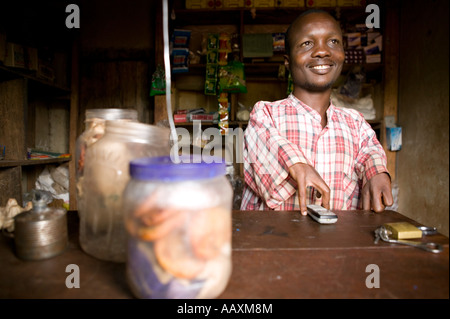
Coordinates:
(317, 52)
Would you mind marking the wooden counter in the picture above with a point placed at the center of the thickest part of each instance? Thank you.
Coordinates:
(275, 255)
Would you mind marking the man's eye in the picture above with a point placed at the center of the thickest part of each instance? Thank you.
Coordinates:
(306, 43)
(335, 41)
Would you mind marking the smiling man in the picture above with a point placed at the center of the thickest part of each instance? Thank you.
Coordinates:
(303, 150)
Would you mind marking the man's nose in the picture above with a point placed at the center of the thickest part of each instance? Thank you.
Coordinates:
(321, 50)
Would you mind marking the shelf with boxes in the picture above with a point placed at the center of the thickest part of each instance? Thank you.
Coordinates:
(263, 63)
(265, 75)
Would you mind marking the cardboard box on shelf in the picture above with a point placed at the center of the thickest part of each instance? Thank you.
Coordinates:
(263, 3)
(320, 3)
(233, 3)
(290, 3)
(180, 118)
(350, 3)
(199, 4)
(373, 58)
(15, 55)
(201, 117)
(394, 138)
(353, 39)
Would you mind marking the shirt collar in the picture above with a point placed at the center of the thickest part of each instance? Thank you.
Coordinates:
(305, 109)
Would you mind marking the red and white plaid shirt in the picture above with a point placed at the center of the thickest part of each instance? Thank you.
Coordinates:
(346, 154)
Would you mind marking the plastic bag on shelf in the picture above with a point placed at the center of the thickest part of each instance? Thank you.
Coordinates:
(55, 180)
(351, 88)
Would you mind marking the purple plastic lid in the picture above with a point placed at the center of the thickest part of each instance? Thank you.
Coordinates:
(164, 169)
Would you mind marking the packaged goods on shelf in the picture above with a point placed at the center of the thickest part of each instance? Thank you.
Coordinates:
(231, 78)
(224, 111)
(212, 59)
(180, 50)
(180, 60)
(224, 48)
(40, 154)
(354, 56)
(181, 38)
(278, 42)
(353, 39)
(180, 118)
(158, 81)
(202, 117)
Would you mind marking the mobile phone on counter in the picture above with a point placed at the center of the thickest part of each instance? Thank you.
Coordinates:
(321, 214)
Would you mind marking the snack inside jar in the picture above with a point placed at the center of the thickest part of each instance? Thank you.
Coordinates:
(178, 220)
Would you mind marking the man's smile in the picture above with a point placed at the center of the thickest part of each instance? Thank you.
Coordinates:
(322, 68)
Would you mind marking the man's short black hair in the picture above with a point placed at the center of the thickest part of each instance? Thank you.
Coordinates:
(287, 41)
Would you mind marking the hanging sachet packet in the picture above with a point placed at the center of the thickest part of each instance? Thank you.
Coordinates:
(232, 78)
(158, 82)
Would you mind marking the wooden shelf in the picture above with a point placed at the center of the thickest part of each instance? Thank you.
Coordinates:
(33, 162)
(7, 73)
(269, 15)
(268, 71)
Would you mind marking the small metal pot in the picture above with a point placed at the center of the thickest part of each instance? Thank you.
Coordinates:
(40, 233)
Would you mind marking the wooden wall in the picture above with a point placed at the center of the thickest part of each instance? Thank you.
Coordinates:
(423, 162)
(11, 135)
(115, 84)
(116, 57)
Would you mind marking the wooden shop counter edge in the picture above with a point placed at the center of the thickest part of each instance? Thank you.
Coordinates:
(276, 255)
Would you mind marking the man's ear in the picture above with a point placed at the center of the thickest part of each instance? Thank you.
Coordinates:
(286, 61)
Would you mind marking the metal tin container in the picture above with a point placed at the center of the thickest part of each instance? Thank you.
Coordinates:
(40, 233)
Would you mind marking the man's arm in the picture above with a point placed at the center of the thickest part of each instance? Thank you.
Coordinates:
(267, 158)
(376, 193)
(306, 175)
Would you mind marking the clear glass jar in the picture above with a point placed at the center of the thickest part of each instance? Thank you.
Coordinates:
(95, 129)
(178, 220)
(106, 173)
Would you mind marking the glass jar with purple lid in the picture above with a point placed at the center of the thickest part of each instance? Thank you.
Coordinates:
(178, 221)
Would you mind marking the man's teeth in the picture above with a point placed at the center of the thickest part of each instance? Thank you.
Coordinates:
(321, 67)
